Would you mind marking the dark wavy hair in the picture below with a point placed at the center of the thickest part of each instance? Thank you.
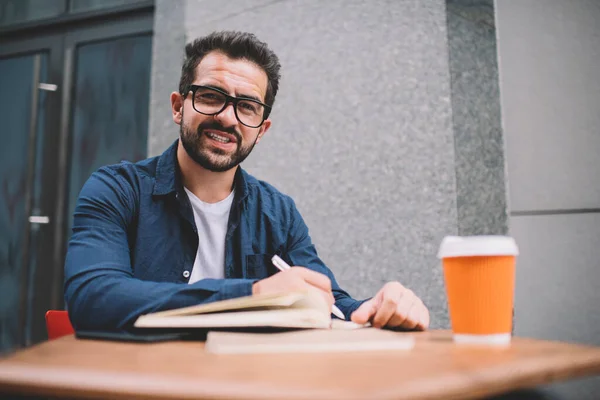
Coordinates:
(236, 45)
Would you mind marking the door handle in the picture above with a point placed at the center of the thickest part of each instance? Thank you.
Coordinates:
(39, 219)
(48, 86)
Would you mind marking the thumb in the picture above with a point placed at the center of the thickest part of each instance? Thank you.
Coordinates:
(363, 314)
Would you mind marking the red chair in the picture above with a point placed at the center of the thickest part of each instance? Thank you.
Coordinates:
(58, 324)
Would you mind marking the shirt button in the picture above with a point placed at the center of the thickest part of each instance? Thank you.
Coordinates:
(186, 274)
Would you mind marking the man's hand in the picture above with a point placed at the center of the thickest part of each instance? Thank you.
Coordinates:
(296, 279)
(393, 306)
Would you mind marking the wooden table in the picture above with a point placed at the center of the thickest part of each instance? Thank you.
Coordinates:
(436, 368)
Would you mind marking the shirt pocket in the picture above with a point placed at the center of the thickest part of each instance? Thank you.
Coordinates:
(259, 266)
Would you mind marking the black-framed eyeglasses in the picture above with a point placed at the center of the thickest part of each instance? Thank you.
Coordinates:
(210, 101)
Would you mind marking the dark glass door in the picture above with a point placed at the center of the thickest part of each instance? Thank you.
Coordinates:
(109, 107)
(18, 106)
(70, 102)
(27, 164)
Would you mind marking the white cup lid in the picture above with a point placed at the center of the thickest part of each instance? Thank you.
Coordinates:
(461, 246)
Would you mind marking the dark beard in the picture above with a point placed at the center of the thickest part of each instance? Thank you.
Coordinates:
(193, 144)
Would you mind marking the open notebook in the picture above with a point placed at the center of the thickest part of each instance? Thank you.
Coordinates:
(287, 310)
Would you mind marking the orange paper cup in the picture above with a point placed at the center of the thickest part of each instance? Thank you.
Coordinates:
(479, 272)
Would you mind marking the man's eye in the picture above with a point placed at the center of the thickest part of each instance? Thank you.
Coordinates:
(248, 106)
(208, 96)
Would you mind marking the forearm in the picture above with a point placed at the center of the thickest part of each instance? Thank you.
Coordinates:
(345, 303)
(101, 290)
(111, 300)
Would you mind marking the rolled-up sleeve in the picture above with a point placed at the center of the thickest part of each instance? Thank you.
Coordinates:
(100, 289)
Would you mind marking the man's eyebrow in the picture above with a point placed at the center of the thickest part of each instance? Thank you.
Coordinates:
(243, 96)
(249, 97)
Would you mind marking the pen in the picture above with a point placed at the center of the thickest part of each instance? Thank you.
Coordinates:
(282, 266)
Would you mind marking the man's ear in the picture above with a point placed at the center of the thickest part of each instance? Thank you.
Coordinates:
(177, 107)
(263, 129)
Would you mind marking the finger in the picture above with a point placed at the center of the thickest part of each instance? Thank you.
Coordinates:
(386, 309)
(424, 317)
(313, 278)
(330, 299)
(326, 296)
(413, 317)
(300, 284)
(364, 312)
(402, 312)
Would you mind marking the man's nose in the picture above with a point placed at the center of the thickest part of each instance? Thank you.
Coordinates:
(227, 117)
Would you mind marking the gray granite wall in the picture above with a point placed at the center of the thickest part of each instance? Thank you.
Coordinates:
(549, 53)
(363, 137)
(479, 143)
(167, 55)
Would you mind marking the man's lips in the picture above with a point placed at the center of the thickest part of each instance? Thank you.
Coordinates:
(216, 135)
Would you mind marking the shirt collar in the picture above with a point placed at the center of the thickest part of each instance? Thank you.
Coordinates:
(168, 176)
(240, 183)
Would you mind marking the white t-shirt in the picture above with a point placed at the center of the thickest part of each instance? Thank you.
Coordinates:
(211, 222)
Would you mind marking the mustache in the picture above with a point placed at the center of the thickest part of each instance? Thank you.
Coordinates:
(218, 127)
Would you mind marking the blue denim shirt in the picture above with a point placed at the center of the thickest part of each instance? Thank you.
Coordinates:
(134, 243)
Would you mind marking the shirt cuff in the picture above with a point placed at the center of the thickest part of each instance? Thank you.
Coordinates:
(349, 305)
(233, 288)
